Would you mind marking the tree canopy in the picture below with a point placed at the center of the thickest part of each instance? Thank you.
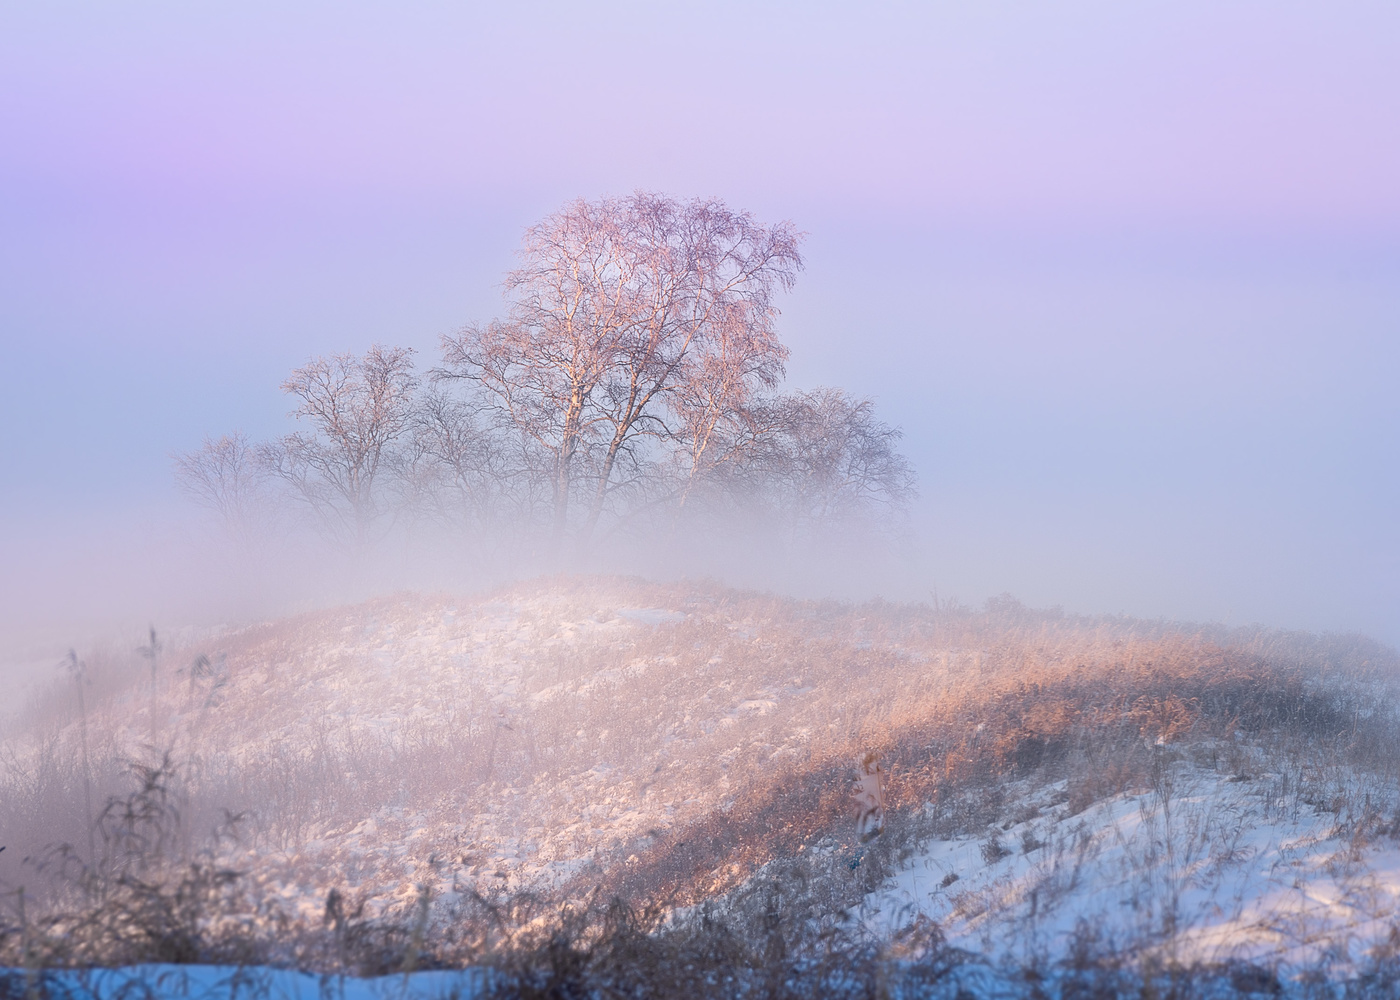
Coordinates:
(633, 384)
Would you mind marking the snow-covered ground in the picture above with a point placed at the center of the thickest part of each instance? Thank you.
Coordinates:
(1205, 869)
(432, 747)
(215, 982)
(496, 746)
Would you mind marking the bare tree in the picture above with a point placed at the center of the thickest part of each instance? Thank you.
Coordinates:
(539, 386)
(825, 458)
(360, 407)
(632, 380)
(467, 470)
(722, 424)
(226, 476)
(635, 321)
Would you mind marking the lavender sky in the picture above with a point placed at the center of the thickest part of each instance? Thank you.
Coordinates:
(1127, 274)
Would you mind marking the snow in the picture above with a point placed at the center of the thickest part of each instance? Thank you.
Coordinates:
(218, 982)
(651, 616)
(1203, 869)
(445, 746)
(536, 753)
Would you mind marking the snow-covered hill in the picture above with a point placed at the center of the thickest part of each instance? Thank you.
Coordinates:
(1203, 868)
(1108, 792)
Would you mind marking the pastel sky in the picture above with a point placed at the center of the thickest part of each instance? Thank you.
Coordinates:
(1127, 274)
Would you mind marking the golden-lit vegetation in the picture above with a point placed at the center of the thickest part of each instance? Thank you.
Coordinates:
(426, 781)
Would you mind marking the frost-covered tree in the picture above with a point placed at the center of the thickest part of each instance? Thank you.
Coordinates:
(359, 408)
(226, 476)
(635, 323)
(632, 385)
(825, 458)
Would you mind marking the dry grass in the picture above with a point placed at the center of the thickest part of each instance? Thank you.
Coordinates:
(717, 840)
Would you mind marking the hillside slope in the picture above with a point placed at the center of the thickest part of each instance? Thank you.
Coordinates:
(678, 745)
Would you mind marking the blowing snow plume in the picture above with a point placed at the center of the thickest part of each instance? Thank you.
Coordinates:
(600, 784)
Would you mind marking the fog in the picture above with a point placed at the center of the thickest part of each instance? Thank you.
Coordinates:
(1126, 280)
